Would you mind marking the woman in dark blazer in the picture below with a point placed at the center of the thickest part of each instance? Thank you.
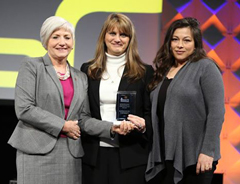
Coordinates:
(117, 67)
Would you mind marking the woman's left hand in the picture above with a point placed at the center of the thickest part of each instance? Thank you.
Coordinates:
(204, 163)
(138, 122)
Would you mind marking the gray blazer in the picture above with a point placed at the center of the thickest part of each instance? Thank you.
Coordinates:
(193, 115)
(39, 106)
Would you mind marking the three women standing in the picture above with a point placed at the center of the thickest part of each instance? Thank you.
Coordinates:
(187, 109)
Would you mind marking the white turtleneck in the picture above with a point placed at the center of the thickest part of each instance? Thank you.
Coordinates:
(108, 92)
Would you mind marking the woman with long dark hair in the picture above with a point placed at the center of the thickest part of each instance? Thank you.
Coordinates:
(187, 109)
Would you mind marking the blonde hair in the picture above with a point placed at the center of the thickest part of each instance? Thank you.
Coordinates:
(134, 65)
(52, 24)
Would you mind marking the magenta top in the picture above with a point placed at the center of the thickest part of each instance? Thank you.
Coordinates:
(68, 92)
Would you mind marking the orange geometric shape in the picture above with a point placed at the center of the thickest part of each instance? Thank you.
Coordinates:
(235, 100)
(229, 157)
(234, 172)
(231, 122)
(236, 65)
(234, 139)
(178, 16)
(228, 51)
(236, 30)
(213, 20)
(231, 84)
(213, 54)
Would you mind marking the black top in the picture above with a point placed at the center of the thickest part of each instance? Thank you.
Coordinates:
(160, 112)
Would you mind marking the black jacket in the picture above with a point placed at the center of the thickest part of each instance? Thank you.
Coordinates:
(134, 147)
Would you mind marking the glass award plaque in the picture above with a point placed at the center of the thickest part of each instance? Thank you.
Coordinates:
(126, 104)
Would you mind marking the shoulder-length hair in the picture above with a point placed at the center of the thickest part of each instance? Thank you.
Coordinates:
(134, 66)
(164, 59)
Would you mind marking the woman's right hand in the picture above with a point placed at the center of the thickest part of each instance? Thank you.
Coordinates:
(124, 128)
(71, 129)
(204, 163)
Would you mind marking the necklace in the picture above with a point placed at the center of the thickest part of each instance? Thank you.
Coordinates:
(63, 76)
(113, 79)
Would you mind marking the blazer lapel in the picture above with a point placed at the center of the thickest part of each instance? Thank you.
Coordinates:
(95, 88)
(77, 91)
(95, 84)
(53, 75)
(124, 82)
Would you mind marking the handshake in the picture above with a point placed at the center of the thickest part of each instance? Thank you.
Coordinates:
(125, 127)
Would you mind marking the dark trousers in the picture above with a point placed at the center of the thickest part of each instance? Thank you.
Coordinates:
(108, 170)
(189, 175)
